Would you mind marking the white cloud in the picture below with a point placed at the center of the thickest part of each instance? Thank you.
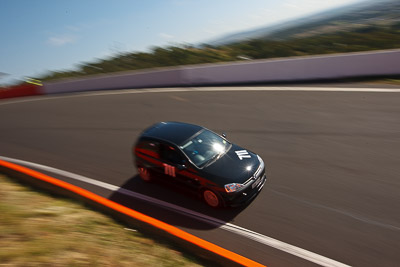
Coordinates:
(291, 5)
(310, 6)
(61, 40)
(166, 36)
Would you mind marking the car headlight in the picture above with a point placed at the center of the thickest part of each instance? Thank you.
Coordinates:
(230, 188)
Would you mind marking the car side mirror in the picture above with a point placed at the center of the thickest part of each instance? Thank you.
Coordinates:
(224, 135)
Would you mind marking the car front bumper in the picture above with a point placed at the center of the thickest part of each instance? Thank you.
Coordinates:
(245, 196)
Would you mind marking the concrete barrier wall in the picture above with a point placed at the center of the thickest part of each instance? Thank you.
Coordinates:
(298, 69)
(154, 78)
(256, 71)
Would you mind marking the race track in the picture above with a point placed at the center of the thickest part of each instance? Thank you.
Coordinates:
(332, 158)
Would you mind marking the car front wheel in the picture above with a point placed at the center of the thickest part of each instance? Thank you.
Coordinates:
(144, 174)
(211, 198)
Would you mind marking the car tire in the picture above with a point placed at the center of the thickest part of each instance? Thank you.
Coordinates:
(211, 198)
(144, 174)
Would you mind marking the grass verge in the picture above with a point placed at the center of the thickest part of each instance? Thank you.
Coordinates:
(39, 229)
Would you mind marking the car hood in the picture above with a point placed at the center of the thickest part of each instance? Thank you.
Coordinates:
(235, 166)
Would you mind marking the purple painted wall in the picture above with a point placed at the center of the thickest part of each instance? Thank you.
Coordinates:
(285, 69)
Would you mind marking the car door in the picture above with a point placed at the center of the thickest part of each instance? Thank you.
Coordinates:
(177, 167)
(148, 155)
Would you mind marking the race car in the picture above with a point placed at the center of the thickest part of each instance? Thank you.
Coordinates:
(199, 160)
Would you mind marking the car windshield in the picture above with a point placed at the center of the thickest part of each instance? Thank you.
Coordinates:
(205, 147)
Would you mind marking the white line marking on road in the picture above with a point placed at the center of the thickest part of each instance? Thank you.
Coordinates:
(353, 215)
(198, 89)
(282, 246)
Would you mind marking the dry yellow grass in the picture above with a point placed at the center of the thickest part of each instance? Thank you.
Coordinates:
(39, 230)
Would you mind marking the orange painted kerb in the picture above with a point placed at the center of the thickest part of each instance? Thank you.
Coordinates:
(134, 214)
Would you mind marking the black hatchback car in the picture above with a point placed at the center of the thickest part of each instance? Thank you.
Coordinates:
(222, 173)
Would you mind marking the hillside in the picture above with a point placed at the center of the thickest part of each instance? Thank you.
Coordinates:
(356, 16)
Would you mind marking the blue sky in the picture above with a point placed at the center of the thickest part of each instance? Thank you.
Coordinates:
(42, 35)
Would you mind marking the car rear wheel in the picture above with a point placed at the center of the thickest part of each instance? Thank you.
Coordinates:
(211, 198)
(144, 174)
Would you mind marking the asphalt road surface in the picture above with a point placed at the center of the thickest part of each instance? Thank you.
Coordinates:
(332, 158)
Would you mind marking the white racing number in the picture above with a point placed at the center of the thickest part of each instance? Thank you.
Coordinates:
(242, 154)
(169, 170)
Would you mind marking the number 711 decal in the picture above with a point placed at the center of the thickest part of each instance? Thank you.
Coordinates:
(169, 170)
(242, 154)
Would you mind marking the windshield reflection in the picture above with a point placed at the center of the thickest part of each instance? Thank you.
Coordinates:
(205, 147)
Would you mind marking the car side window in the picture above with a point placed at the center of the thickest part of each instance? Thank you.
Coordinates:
(171, 155)
(149, 148)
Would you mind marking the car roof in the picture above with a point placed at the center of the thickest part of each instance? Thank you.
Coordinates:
(174, 132)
